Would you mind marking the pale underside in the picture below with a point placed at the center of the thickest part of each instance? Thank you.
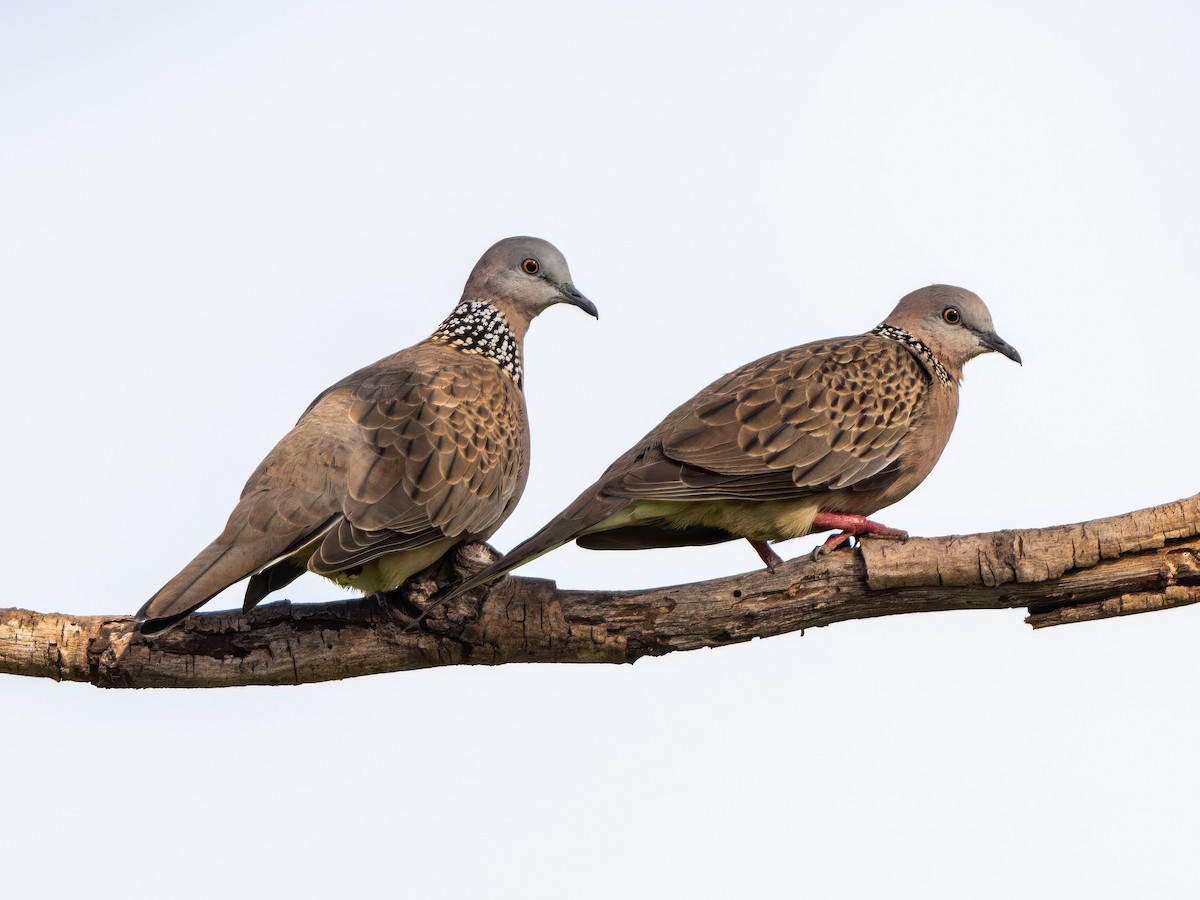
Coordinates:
(772, 520)
(381, 574)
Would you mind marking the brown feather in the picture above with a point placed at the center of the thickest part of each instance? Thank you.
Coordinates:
(393, 465)
(844, 425)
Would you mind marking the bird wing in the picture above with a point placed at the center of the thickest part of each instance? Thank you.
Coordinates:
(440, 454)
(820, 417)
(394, 457)
(824, 416)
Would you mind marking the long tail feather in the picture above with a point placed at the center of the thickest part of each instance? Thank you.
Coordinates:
(586, 512)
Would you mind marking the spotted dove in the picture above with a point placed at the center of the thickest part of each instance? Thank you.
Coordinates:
(808, 439)
(398, 463)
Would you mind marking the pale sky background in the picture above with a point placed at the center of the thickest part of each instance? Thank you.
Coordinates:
(210, 212)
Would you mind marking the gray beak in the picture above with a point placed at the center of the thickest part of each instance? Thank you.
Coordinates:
(993, 341)
(571, 295)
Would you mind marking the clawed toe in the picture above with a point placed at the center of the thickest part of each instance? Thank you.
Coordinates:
(770, 558)
(835, 541)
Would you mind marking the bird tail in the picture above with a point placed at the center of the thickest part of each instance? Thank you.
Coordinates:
(216, 567)
(526, 552)
(240, 550)
(271, 579)
(586, 512)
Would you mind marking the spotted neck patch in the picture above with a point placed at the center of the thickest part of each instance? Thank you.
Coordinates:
(918, 346)
(477, 326)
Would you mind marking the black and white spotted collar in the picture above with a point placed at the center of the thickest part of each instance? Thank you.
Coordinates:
(477, 326)
(918, 346)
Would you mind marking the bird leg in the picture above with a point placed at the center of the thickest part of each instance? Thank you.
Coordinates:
(766, 554)
(851, 526)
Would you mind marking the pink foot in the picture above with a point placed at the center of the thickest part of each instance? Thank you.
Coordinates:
(851, 526)
(767, 555)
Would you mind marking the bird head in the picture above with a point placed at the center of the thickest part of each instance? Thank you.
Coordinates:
(524, 276)
(953, 322)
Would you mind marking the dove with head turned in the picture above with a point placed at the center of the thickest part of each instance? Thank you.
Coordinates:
(804, 440)
(398, 463)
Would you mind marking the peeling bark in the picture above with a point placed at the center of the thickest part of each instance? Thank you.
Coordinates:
(1140, 562)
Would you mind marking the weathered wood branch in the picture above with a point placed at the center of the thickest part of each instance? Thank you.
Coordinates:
(1139, 562)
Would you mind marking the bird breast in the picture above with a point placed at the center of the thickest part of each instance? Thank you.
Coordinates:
(919, 452)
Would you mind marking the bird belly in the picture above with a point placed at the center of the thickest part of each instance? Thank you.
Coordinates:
(768, 520)
(388, 572)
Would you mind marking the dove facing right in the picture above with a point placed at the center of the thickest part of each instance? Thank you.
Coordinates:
(398, 463)
(808, 439)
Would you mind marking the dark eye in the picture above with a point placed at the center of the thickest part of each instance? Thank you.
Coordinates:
(950, 314)
(532, 266)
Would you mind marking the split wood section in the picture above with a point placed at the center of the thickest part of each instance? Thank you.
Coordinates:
(1139, 562)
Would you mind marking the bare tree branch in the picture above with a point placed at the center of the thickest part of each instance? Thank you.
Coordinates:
(1139, 562)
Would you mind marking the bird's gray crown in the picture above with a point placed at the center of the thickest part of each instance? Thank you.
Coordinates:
(918, 347)
(477, 326)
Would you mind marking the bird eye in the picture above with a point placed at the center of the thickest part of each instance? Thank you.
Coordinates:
(532, 266)
(951, 315)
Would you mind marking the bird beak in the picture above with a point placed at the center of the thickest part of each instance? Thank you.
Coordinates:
(569, 294)
(993, 341)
